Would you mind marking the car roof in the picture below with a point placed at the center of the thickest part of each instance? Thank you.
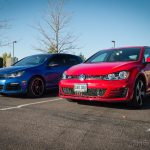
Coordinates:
(127, 47)
(48, 54)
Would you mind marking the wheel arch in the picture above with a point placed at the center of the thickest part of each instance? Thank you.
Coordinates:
(34, 76)
(137, 99)
(135, 75)
(143, 78)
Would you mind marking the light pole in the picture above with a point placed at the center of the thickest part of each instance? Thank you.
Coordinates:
(114, 43)
(14, 49)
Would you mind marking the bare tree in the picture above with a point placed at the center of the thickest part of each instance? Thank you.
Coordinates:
(3, 26)
(82, 56)
(54, 35)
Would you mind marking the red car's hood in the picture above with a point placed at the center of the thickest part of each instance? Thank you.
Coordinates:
(101, 68)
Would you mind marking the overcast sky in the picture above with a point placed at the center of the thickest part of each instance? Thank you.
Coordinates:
(96, 22)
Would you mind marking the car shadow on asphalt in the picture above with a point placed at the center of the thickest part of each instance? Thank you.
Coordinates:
(116, 105)
(48, 94)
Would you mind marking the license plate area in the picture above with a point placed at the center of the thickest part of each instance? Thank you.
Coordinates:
(80, 88)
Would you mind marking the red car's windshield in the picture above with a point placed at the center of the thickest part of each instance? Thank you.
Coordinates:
(119, 55)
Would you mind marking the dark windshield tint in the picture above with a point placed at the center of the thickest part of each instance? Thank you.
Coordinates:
(32, 60)
(118, 55)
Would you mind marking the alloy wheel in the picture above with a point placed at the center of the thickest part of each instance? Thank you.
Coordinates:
(139, 92)
(37, 87)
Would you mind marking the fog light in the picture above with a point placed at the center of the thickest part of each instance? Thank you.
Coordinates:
(101, 92)
(124, 92)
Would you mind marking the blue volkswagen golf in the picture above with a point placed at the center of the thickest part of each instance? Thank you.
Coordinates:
(34, 74)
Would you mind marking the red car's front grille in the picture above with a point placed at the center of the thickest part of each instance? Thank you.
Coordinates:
(88, 77)
(90, 92)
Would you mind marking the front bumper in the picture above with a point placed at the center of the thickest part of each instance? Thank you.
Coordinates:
(98, 90)
(13, 86)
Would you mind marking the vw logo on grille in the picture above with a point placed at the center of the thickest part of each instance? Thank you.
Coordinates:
(82, 77)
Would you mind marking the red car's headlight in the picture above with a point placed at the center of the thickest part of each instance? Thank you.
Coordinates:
(117, 76)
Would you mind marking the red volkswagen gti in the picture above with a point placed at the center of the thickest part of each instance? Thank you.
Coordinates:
(112, 75)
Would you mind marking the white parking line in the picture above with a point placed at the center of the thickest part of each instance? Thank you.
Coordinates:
(24, 105)
(148, 130)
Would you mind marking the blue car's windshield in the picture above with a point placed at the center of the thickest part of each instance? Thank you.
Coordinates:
(32, 60)
(118, 55)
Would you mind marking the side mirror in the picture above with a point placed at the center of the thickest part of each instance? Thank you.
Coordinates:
(148, 60)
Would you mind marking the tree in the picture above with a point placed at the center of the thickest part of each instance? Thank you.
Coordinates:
(54, 35)
(3, 26)
(82, 57)
(5, 56)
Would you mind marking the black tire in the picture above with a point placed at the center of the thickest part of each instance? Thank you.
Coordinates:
(36, 87)
(139, 94)
(3, 94)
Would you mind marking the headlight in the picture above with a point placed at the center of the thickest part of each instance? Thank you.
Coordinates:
(117, 76)
(15, 74)
(64, 76)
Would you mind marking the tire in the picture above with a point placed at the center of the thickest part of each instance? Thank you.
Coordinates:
(3, 94)
(139, 94)
(36, 87)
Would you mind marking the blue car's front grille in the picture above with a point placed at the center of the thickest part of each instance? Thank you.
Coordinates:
(13, 87)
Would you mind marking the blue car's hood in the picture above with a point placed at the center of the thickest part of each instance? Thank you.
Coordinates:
(12, 69)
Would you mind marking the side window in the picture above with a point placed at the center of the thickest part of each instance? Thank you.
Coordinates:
(146, 54)
(72, 60)
(57, 61)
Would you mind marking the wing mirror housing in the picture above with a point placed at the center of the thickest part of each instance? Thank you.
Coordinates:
(148, 60)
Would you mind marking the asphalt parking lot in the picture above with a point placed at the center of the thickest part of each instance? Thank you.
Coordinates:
(52, 123)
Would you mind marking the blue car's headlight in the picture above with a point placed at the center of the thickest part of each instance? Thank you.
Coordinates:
(15, 74)
(117, 76)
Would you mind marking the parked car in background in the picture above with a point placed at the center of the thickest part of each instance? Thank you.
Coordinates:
(34, 74)
(113, 75)
(1, 62)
